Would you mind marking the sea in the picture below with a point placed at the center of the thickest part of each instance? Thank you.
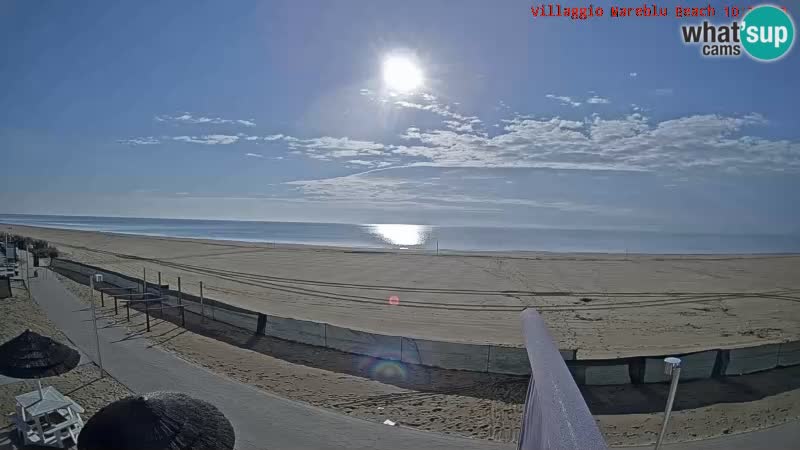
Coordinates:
(427, 237)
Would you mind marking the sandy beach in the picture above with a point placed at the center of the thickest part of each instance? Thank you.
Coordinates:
(478, 405)
(601, 305)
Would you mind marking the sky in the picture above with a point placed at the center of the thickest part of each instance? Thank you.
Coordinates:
(281, 111)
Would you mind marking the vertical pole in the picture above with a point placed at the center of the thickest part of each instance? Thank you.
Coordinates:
(144, 280)
(28, 270)
(179, 291)
(94, 321)
(160, 294)
(147, 314)
(183, 316)
(128, 309)
(116, 310)
(672, 366)
(102, 299)
(202, 306)
(437, 247)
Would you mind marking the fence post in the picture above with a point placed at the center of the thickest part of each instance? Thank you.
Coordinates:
(144, 279)
(262, 324)
(102, 299)
(128, 308)
(116, 311)
(202, 305)
(180, 302)
(147, 314)
(183, 316)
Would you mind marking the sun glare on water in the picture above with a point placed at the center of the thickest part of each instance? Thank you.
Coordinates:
(401, 234)
(402, 74)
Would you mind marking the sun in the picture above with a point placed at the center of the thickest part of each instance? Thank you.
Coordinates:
(401, 74)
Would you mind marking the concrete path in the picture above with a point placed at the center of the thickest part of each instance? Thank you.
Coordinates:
(261, 420)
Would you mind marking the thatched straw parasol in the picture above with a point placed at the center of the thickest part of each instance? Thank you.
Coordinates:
(31, 355)
(156, 421)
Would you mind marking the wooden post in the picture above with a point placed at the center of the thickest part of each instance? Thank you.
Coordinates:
(116, 311)
(179, 291)
(128, 308)
(183, 316)
(147, 314)
(144, 279)
(160, 294)
(262, 324)
(102, 299)
(202, 306)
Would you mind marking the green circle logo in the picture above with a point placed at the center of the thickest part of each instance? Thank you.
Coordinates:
(767, 33)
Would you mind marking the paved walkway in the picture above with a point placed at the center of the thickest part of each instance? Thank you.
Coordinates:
(261, 420)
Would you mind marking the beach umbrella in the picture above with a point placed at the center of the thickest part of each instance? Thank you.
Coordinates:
(157, 421)
(31, 355)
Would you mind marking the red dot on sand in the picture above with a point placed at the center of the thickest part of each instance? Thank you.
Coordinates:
(394, 300)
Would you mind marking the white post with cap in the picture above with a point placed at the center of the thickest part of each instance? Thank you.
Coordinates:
(672, 366)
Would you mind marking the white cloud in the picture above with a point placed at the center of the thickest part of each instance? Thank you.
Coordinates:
(326, 148)
(430, 103)
(360, 162)
(633, 74)
(564, 100)
(209, 139)
(146, 140)
(434, 107)
(380, 188)
(254, 155)
(188, 118)
(629, 143)
(664, 92)
(598, 100)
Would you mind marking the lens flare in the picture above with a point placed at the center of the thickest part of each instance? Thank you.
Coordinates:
(386, 369)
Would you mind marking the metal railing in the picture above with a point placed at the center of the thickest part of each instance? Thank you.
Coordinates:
(555, 416)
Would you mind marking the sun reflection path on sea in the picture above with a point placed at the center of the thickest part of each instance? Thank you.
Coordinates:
(401, 234)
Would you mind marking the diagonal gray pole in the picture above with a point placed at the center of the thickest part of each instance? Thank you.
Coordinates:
(672, 366)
